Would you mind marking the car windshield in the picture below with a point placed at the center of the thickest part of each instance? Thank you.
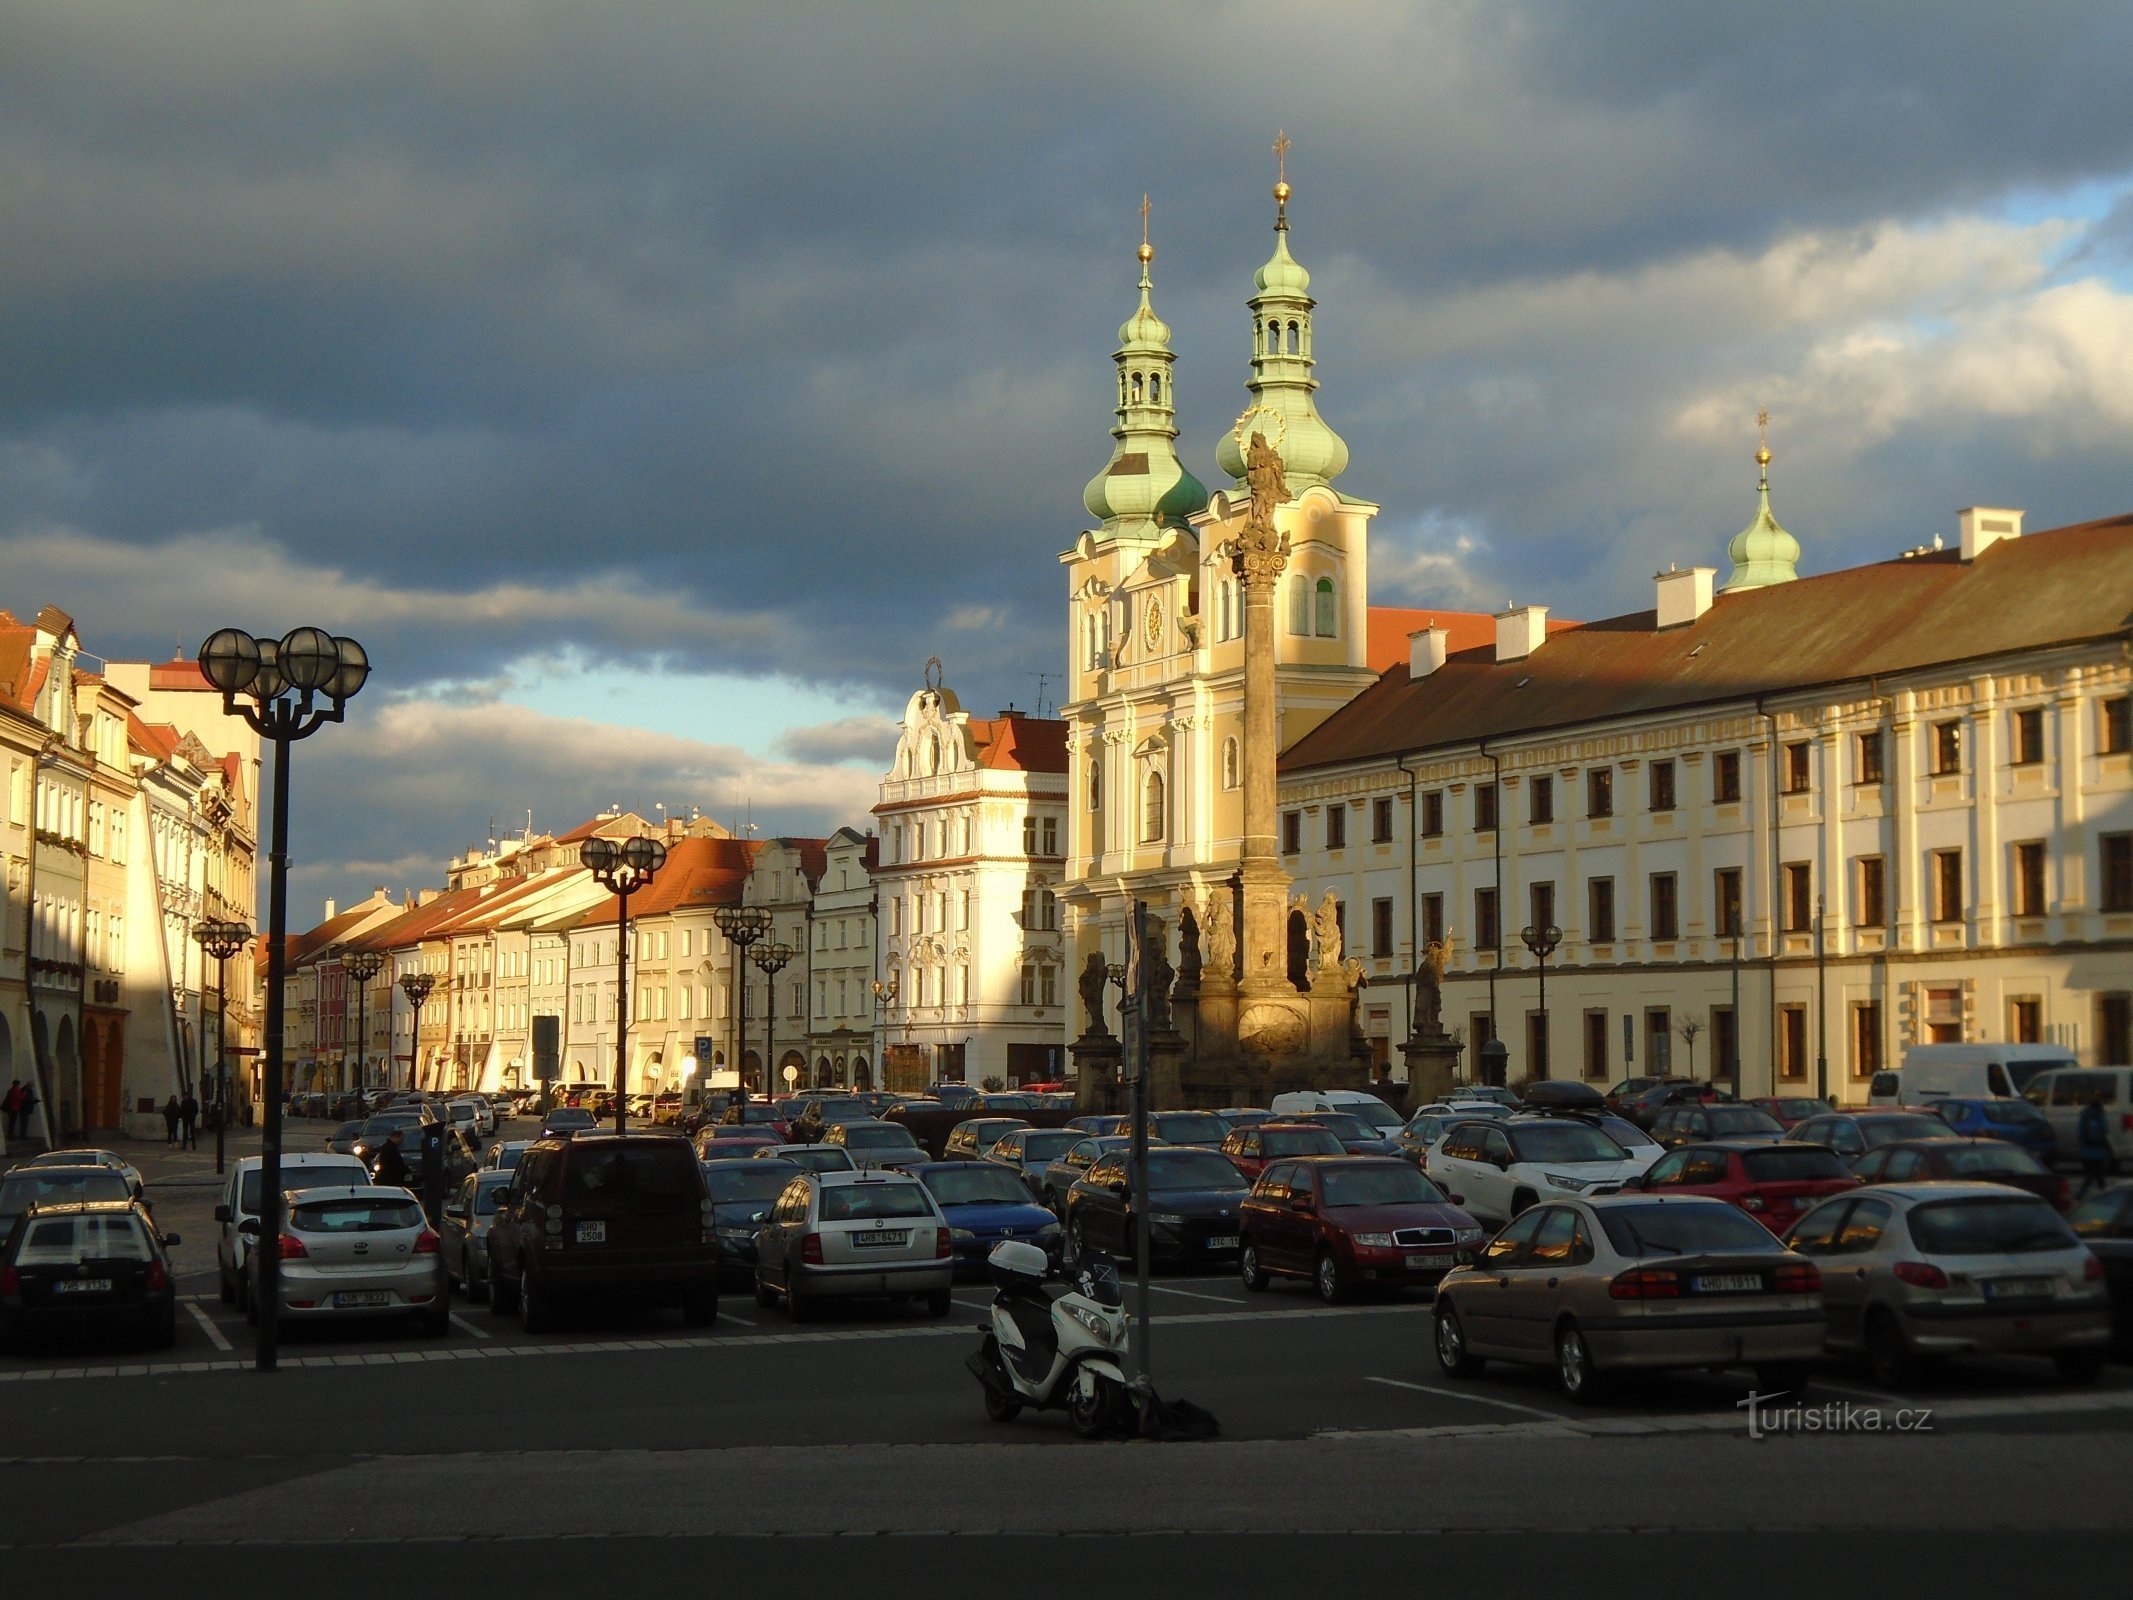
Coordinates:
(1626, 1133)
(855, 1202)
(1299, 1142)
(1356, 1184)
(755, 1113)
(63, 1241)
(378, 1129)
(380, 1213)
(842, 1110)
(1343, 1126)
(1642, 1231)
(974, 1183)
(2017, 1225)
(731, 1181)
(1798, 1108)
(569, 1117)
(1878, 1131)
(49, 1185)
(508, 1156)
(305, 1177)
(1985, 1157)
(1791, 1164)
(2011, 1113)
(1727, 1121)
(348, 1130)
(818, 1158)
(1189, 1127)
(2022, 1071)
(487, 1193)
(1560, 1143)
(1375, 1112)
(1042, 1144)
(1192, 1169)
(879, 1136)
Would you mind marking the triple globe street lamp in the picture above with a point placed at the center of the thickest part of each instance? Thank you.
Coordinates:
(362, 965)
(221, 939)
(285, 689)
(770, 960)
(622, 869)
(416, 986)
(1542, 942)
(744, 927)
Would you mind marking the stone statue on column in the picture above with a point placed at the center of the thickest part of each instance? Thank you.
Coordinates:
(1326, 924)
(1221, 934)
(1429, 985)
(1093, 981)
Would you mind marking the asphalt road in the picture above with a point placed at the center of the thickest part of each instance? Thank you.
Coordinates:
(752, 1446)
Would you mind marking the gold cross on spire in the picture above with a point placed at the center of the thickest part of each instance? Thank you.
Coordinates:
(1282, 144)
(1147, 252)
(1762, 446)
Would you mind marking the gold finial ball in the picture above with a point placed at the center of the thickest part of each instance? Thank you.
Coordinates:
(1281, 191)
(1146, 253)
(1762, 456)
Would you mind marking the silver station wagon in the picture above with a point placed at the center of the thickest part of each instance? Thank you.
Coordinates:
(834, 1235)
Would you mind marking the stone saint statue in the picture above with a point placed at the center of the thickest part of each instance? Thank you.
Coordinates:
(1157, 979)
(1327, 925)
(1429, 984)
(1269, 487)
(1093, 981)
(1188, 945)
(1221, 937)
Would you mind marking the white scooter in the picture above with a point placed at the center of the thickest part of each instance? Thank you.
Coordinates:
(1054, 1347)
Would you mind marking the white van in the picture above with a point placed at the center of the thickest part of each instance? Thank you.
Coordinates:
(302, 1169)
(2061, 1093)
(1965, 1071)
(1367, 1107)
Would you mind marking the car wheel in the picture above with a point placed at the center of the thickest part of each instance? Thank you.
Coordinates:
(765, 1296)
(1888, 1356)
(1077, 1244)
(2079, 1366)
(1249, 1269)
(1575, 1369)
(536, 1309)
(1327, 1279)
(1452, 1354)
(699, 1308)
(938, 1303)
(1522, 1200)
(1774, 1378)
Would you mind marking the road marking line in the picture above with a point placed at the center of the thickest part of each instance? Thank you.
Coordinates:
(1218, 1299)
(479, 1333)
(1877, 1396)
(726, 1316)
(215, 1334)
(1463, 1394)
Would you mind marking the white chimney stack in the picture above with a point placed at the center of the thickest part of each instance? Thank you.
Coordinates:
(1425, 650)
(332, 908)
(1684, 595)
(1519, 631)
(1985, 526)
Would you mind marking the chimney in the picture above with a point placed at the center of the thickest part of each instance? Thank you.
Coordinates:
(1425, 650)
(332, 909)
(1684, 595)
(1985, 526)
(1519, 631)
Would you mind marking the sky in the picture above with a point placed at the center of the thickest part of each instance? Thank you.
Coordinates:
(654, 386)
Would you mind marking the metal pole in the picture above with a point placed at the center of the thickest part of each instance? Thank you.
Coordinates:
(622, 1017)
(740, 1032)
(1542, 1064)
(770, 1029)
(222, 1062)
(1733, 1045)
(268, 1245)
(1821, 1006)
(1143, 1355)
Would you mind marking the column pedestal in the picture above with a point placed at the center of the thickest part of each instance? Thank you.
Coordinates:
(1097, 1091)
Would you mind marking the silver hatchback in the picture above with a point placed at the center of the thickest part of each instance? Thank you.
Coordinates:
(362, 1252)
(834, 1235)
(1914, 1272)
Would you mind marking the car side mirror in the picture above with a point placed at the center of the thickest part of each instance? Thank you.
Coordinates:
(249, 1225)
(1302, 1202)
(456, 1211)
(222, 1213)
(170, 1240)
(760, 1216)
(1503, 1163)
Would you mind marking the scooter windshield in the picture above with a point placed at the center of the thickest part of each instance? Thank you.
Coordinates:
(1099, 1281)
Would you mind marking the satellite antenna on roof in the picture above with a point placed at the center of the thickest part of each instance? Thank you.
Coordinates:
(1042, 678)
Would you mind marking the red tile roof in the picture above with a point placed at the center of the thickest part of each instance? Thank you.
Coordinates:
(1891, 617)
(1386, 643)
(698, 872)
(1012, 742)
(159, 740)
(183, 676)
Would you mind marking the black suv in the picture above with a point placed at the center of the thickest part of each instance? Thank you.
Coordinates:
(612, 1214)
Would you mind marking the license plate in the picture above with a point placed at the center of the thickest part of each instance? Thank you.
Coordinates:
(592, 1233)
(876, 1237)
(1728, 1283)
(1222, 1241)
(361, 1299)
(1418, 1263)
(2018, 1288)
(82, 1286)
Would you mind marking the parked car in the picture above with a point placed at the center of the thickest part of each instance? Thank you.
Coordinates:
(762, 1115)
(1495, 1170)
(1612, 1283)
(2016, 1121)
(1641, 1147)
(1677, 1125)
(34, 1184)
(835, 1235)
(1789, 1110)
(1250, 1149)
(884, 1145)
(1030, 1150)
(464, 1228)
(1364, 1107)
(1644, 1105)
(504, 1156)
(609, 1214)
(2061, 1093)
(343, 1138)
(1066, 1168)
(84, 1269)
(807, 1157)
(969, 1141)
(986, 1203)
(1917, 1272)
(371, 1137)
(237, 1216)
(1244, 1116)
(1852, 1133)
(1193, 1197)
(1967, 1160)
(109, 1160)
(1347, 1222)
(1431, 1122)
(2104, 1222)
(951, 1094)
(818, 1111)
(723, 1142)
(1772, 1182)
(1934, 1071)
(360, 1250)
(1357, 1137)
(742, 1193)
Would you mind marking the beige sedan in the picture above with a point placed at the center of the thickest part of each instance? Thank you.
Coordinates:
(1613, 1283)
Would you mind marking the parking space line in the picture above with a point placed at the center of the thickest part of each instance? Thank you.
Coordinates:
(215, 1334)
(1878, 1397)
(461, 1322)
(726, 1316)
(1468, 1394)
(1191, 1294)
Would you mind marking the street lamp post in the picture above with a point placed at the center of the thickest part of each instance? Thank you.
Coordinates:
(1542, 942)
(1733, 1045)
(884, 997)
(1821, 1006)
(623, 869)
(289, 686)
(362, 965)
(770, 960)
(416, 986)
(743, 926)
(221, 940)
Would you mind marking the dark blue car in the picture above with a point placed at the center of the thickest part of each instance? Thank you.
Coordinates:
(742, 1193)
(985, 1203)
(2016, 1121)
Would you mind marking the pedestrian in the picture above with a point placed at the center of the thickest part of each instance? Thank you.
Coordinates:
(29, 1105)
(11, 1104)
(189, 1119)
(171, 1113)
(2093, 1139)
(389, 1171)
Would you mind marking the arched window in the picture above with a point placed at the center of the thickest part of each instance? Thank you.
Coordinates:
(1136, 388)
(1293, 348)
(1300, 605)
(1155, 389)
(1230, 776)
(1096, 784)
(1121, 387)
(1322, 616)
(1152, 812)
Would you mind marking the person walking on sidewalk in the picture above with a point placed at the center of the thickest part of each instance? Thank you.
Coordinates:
(2093, 1138)
(189, 1119)
(12, 1106)
(171, 1113)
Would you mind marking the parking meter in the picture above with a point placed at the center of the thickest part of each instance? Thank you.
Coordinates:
(433, 1137)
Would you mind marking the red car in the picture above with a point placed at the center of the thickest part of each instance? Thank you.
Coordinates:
(760, 1114)
(1964, 1161)
(1790, 1110)
(1773, 1183)
(1252, 1148)
(725, 1142)
(1346, 1222)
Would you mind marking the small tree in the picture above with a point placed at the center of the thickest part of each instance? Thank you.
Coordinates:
(1689, 1028)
